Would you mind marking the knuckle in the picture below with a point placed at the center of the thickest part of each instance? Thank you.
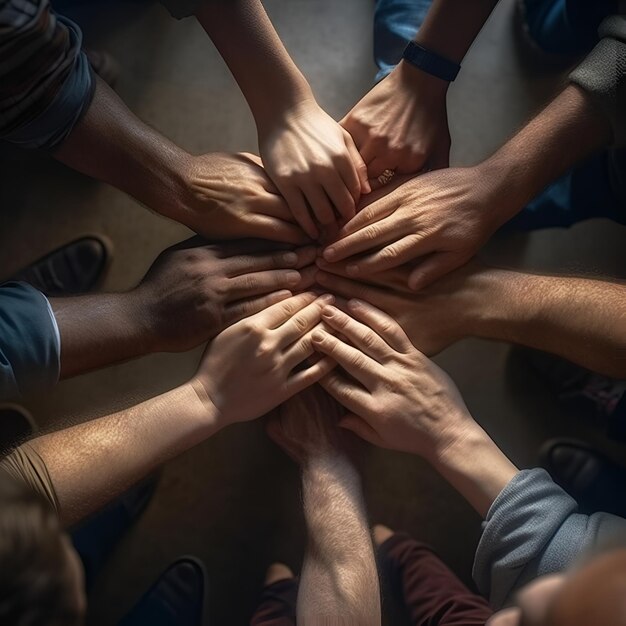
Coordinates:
(372, 232)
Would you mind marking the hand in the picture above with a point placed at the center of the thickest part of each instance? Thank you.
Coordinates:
(402, 124)
(396, 397)
(442, 217)
(434, 318)
(306, 425)
(231, 197)
(315, 165)
(257, 363)
(194, 290)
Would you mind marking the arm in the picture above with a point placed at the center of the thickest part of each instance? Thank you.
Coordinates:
(402, 123)
(191, 292)
(579, 319)
(92, 463)
(339, 582)
(217, 195)
(446, 216)
(306, 153)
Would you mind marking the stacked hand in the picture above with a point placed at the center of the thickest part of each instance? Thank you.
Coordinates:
(314, 164)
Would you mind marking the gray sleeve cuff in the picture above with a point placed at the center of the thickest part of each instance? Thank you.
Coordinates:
(181, 8)
(521, 522)
(30, 347)
(603, 75)
(56, 122)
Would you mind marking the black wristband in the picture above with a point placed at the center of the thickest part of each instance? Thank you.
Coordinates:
(430, 62)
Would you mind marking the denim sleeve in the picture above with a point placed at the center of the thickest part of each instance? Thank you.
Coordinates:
(533, 529)
(603, 74)
(181, 8)
(47, 128)
(30, 346)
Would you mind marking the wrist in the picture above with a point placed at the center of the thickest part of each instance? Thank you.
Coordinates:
(298, 103)
(422, 83)
(200, 406)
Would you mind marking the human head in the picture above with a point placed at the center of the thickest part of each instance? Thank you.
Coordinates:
(41, 577)
(593, 594)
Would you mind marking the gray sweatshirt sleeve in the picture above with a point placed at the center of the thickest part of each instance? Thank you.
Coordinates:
(533, 529)
(603, 74)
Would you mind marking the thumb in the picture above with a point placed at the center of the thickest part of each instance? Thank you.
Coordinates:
(433, 267)
(360, 428)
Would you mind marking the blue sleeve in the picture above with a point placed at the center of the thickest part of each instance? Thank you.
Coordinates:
(533, 529)
(30, 346)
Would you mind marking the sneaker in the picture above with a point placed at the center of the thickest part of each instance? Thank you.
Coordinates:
(75, 268)
(591, 478)
(177, 598)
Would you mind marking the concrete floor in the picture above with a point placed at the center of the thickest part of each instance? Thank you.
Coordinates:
(234, 501)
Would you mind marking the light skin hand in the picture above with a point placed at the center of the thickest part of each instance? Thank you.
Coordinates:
(262, 355)
(230, 196)
(314, 164)
(402, 124)
(420, 221)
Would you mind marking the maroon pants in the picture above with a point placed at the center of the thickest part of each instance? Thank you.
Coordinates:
(432, 595)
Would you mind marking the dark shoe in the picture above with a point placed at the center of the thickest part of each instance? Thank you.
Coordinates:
(583, 392)
(592, 479)
(16, 425)
(77, 267)
(177, 598)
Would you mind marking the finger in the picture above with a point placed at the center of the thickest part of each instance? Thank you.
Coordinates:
(389, 256)
(355, 177)
(300, 350)
(274, 205)
(381, 323)
(373, 236)
(434, 267)
(281, 259)
(347, 392)
(277, 314)
(361, 428)
(373, 212)
(340, 196)
(300, 210)
(358, 365)
(301, 322)
(309, 376)
(266, 227)
(320, 204)
(345, 287)
(379, 165)
(307, 278)
(258, 283)
(245, 308)
(360, 335)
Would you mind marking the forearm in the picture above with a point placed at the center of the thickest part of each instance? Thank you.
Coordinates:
(99, 330)
(257, 58)
(474, 465)
(92, 463)
(580, 319)
(339, 582)
(451, 26)
(112, 145)
(567, 131)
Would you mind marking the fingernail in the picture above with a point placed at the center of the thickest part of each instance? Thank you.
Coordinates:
(353, 270)
(320, 262)
(329, 253)
(290, 258)
(354, 303)
(293, 278)
(328, 312)
(317, 335)
(327, 298)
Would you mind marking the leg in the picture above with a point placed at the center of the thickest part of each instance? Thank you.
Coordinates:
(278, 598)
(433, 595)
(395, 24)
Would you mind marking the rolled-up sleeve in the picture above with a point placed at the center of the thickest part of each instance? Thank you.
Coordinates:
(603, 74)
(30, 346)
(533, 529)
(46, 81)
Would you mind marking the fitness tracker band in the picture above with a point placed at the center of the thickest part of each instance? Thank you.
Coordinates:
(430, 62)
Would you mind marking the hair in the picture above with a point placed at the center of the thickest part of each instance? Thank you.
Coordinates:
(34, 582)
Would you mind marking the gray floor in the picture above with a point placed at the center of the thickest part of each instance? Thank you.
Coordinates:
(234, 501)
